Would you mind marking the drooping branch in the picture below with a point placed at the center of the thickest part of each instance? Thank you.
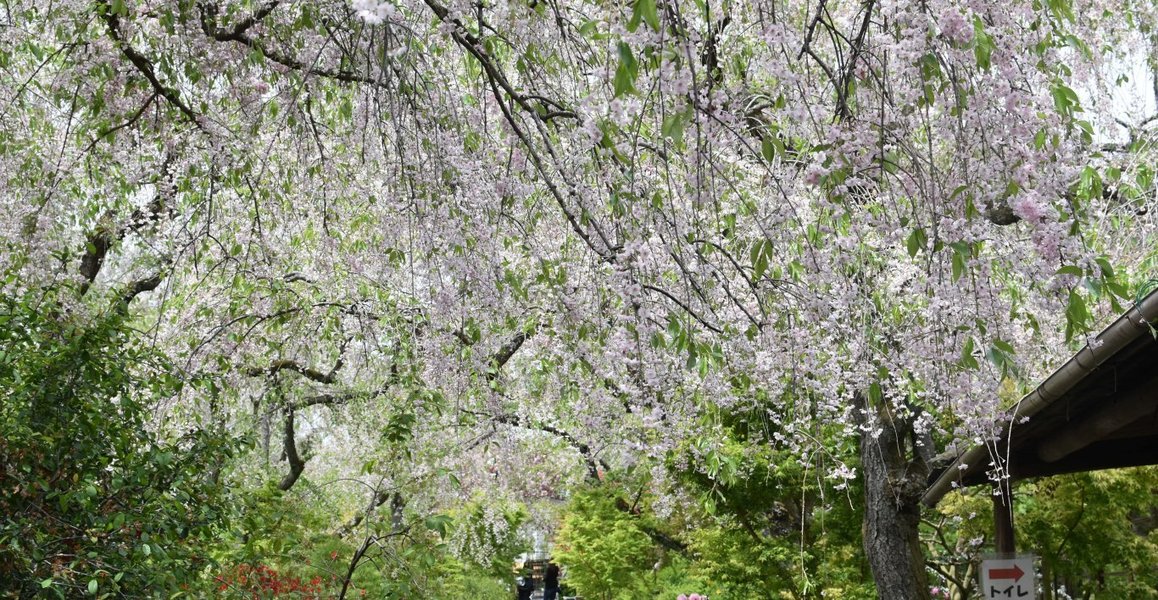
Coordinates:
(857, 47)
(500, 87)
(132, 120)
(593, 463)
(687, 309)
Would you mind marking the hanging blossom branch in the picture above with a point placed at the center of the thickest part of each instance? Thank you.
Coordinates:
(500, 87)
(143, 65)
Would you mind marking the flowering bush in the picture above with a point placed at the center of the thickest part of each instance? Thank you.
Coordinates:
(262, 581)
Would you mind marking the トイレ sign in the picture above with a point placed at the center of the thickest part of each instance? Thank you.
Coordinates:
(1008, 578)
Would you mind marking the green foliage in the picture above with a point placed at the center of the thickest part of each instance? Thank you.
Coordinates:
(290, 538)
(465, 583)
(770, 525)
(675, 576)
(602, 546)
(954, 534)
(92, 500)
(1095, 532)
(750, 536)
(740, 565)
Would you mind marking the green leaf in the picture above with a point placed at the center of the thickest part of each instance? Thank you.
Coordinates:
(650, 14)
(916, 241)
(589, 29)
(1071, 270)
(760, 253)
(1065, 100)
(1106, 268)
(967, 359)
(438, 523)
(999, 358)
(673, 126)
(1039, 140)
(768, 149)
(92, 586)
(1077, 315)
(982, 44)
(47, 583)
(643, 10)
(636, 18)
(1087, 131)
(1062, 9)
(626, 72)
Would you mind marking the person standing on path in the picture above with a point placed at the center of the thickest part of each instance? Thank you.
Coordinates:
(525, 587)
(551, 582)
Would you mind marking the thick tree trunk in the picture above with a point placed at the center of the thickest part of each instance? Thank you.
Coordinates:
(895, 473)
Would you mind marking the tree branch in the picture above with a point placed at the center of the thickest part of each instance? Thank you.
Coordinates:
(504, 354)
(239, 29)
(292, 365)
(142, 64)
(857, 46)
(141, 286)
(500, 85)
(289, 444)
(238, 34)
(593, 464)
(683, 306)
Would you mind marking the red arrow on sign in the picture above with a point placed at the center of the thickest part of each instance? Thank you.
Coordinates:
(1015, 573)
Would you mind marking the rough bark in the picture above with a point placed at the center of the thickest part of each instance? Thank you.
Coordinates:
(894, 473)
(297, 465)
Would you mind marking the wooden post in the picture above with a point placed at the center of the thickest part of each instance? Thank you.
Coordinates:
(1003, 518)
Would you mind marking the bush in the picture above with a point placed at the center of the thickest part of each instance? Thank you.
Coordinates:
(92, 501)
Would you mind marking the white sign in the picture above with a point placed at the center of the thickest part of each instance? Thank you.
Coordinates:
(1008, 578)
